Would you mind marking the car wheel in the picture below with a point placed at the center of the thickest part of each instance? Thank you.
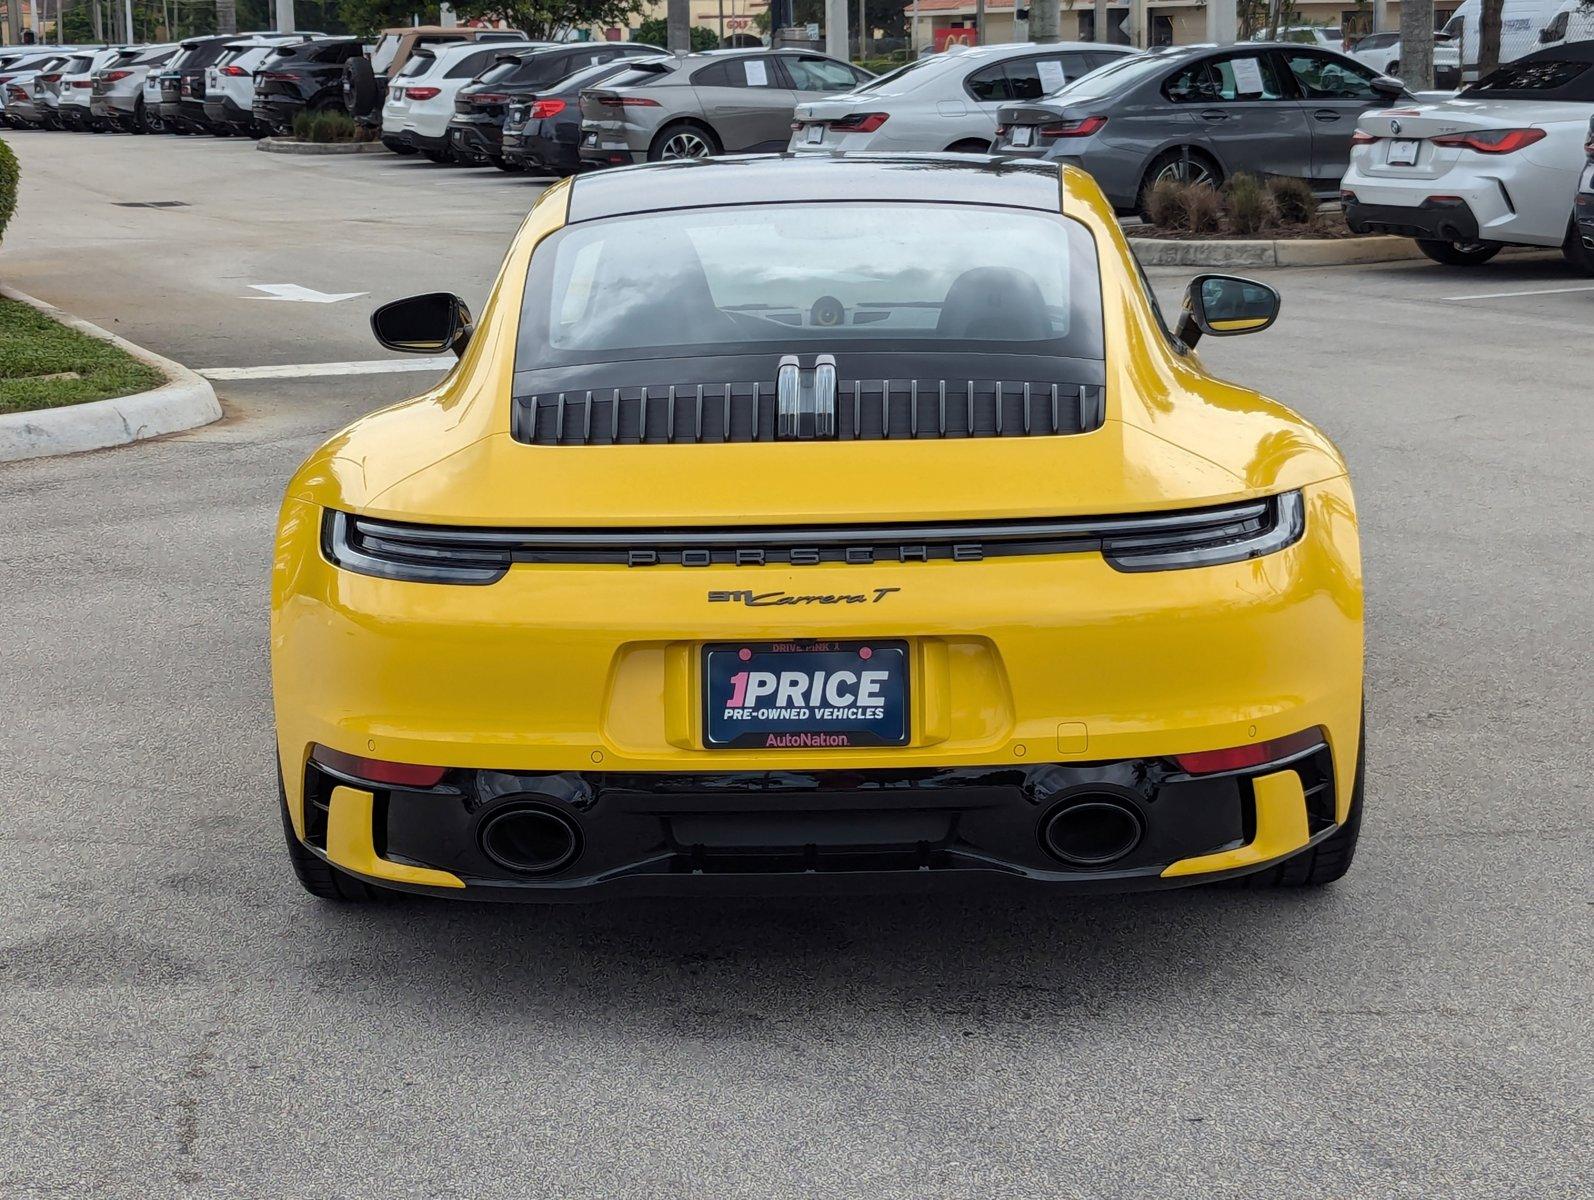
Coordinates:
(1578, 256)
(1185, 165)
(317, 876)
(1459, 254)
(683, 140)
(148, 121)
(969, 146)
(1331, 857)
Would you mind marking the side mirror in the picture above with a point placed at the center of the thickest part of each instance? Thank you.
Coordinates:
(427, 324)
(1387, 88)
(1225, 306)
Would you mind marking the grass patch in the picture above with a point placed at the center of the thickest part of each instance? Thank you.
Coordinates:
(32, 345)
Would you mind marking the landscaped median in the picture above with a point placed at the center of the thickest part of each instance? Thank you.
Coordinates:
(68, 386)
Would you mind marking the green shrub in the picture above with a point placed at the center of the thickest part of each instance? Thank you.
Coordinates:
(1293, 198)
(1250, 205)
(325, 127)
(10, 173)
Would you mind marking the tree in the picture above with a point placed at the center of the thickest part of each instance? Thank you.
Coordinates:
(550, 20)
(1489, 36)
(655, 32)
(1416, 44)
(368, 17)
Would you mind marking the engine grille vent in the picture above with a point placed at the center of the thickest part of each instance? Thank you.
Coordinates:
(866, 410)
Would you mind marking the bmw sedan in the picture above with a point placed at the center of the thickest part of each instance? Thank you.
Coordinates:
(1202, 114)
(720, 564)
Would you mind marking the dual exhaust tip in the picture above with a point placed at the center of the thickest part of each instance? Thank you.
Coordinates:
(1092, 830)
(529, 839)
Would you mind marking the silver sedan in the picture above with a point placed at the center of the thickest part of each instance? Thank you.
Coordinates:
(946, 101)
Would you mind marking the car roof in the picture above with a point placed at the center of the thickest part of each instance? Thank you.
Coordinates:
(788, 178)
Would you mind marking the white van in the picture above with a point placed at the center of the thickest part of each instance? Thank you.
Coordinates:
(1571, 23)
(1520, 22)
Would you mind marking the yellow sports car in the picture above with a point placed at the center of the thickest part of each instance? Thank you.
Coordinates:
(819, 524)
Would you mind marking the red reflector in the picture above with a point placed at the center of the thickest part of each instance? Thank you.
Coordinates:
(1083, 127)
(1238, 758)
(421, 93)
(378, 770)
(1491, 141)
(541, 109)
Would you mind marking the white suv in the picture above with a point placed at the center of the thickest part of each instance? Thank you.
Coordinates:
(117, 97)
(77, 85)
(230, 81)
(420, 98)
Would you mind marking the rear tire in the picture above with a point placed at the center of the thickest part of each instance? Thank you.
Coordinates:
(1459, 254)
(1578, 256)
(318, 877)
(1331, 857)
(1186, 165)
(684, 139)
(970, 146)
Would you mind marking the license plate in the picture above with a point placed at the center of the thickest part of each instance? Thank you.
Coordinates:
(805, 695)
(1403, 153)
(815, 134)
(590, 140)
(1023, 135)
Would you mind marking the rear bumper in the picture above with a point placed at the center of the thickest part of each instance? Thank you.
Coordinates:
(276, 110)
(600, 834)
(600, 150)
(535, 146)
(1452, 221)
(224, 110)
(476, 139)
(409, 139)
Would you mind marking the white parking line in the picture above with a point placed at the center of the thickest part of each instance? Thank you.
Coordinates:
(1587, 287)
(374, 366)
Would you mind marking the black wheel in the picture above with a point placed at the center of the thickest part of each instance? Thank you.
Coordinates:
(320, 878)
(969, 146)
(684, 139)
(1331, 857)
(1459, 254)
(359, 87)
(1185, 166)
(147, 120)
(1578, 256)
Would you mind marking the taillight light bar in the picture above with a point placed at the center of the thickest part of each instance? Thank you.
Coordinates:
(1256, 754)
(626, 102)
(113, 76)
(235, 72)
(857, 122)
(1083, 127)
(1491, 141)
(489, 98)
(419, 93)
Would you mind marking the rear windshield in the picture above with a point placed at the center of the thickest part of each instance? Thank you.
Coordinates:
(419, 63)
(1545, 78)
(816, 277)
(505, 71)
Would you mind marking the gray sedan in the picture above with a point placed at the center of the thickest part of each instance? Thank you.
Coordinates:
(1203, 114)
(700, 105)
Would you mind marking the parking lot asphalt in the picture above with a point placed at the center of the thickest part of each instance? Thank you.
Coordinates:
(177, 1018)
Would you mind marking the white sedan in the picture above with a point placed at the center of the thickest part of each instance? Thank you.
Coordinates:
(945, 101)
(1497, 165)
(1381, 52)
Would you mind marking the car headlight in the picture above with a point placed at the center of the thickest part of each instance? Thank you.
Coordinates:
(1232, 535)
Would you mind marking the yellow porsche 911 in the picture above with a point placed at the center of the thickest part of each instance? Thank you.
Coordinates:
(819, 524)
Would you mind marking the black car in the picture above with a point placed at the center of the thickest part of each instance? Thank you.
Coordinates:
(183, 83)
(542, 130)
(475, 131)
(1583, 205)
(305, 77)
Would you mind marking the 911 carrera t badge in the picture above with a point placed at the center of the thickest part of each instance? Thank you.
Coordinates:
(771, 599)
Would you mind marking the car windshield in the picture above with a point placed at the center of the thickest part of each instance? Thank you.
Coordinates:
(835, 275)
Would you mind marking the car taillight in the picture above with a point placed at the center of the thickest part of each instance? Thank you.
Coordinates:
(627, 102)
(1240, 758)
(53, 77)
(489, 97)
(420, 93)
(377, 770)
(1362, 138)
(113, 76)
(17, 93)
(542, 109)
(858, 122)
(1491, 141)
(234, 71)
(276, 76)
(1083, 127)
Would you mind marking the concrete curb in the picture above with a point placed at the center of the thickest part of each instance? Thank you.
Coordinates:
(277, 145)
(1288, 252)
(183, 402)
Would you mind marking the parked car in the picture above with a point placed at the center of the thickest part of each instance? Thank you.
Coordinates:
(183, 81)
(1572, 22)
(302, 77)
(1202, 114)
(117, 97)
(677, 365)
(1325, 37)
(542, 130)
(1381, 52)
(420, 99)
(230, 81)
(77, 88)
(1498, 165)
(19, 73)
(1583, 210)
(945, 101)
(47, 89)
(476, 129)
(700, 105)
(366, 76)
